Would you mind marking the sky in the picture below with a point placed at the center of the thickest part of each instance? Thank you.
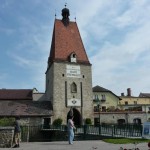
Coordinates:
(115, 34)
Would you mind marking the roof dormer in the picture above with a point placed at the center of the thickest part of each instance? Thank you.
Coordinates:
(73, 57)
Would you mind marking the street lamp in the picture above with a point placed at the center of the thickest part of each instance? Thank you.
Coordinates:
(98, 106)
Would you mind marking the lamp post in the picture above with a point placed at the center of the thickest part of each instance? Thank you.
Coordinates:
(98, 106)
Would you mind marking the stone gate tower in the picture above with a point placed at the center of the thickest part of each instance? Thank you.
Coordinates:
(68, 75)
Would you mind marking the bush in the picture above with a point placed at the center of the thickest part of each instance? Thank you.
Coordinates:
(57, 122)
(7, 121)
(88, 121)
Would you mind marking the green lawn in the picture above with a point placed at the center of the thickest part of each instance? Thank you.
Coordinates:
(125, 140)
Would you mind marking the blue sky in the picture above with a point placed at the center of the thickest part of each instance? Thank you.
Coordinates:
(115, 33)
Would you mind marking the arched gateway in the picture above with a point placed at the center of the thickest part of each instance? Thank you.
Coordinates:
(77, 119)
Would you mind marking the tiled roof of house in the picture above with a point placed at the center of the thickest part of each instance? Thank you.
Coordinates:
(65, 41)
(25, 108)
(101, 89)
(16, 94)
(144, 95)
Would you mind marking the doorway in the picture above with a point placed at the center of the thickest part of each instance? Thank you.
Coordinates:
(76, 117)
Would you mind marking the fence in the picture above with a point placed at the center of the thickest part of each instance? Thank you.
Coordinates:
(55, 133)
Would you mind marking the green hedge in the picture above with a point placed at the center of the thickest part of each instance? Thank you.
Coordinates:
(7, 121)
(58, 122)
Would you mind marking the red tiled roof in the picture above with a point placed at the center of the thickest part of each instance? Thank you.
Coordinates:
(16, 94)
(67, 40)
(25, 108)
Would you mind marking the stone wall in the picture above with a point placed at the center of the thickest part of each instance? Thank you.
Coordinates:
(113, 117)
(6, 137)
(59, 91)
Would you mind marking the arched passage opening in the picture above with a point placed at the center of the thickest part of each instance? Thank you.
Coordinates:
(76, 117)
(121, 121)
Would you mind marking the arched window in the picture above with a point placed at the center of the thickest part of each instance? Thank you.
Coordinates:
(73, 88)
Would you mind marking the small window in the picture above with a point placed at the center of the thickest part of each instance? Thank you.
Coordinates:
(104, 108)
(96, 97)
(73, 58)
(135, 102)
(96, 109)
(47, 122)
(103, 98)
(73, 88)
(126, 102)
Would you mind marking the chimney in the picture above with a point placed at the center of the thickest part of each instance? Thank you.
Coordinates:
(129, 92)
(122, 94)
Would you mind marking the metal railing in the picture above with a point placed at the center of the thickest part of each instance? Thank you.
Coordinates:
(51, 133)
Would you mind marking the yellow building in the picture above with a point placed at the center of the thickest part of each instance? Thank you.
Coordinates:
(139, 104)
(110, 108)
(104, 102)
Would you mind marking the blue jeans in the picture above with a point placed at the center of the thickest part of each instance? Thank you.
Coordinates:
(70, 135)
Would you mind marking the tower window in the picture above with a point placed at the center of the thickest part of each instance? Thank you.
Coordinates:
(73, 88)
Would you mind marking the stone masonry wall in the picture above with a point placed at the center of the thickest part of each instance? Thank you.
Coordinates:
(113, 117)
(59, 104)
(6, 137)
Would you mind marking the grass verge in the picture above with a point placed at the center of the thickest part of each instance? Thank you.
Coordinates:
(125, 140)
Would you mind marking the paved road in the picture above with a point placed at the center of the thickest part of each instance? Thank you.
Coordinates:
(78, 145)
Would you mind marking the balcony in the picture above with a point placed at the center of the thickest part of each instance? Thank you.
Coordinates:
(103, 100)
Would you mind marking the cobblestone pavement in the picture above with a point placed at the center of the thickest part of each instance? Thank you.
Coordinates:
(78, 145)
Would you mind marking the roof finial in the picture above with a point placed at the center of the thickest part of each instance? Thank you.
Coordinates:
(65, 15)
(75, 19)
(65, 5)
(55, 14)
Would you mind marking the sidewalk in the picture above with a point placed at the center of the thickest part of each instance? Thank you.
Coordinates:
(78, 145)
